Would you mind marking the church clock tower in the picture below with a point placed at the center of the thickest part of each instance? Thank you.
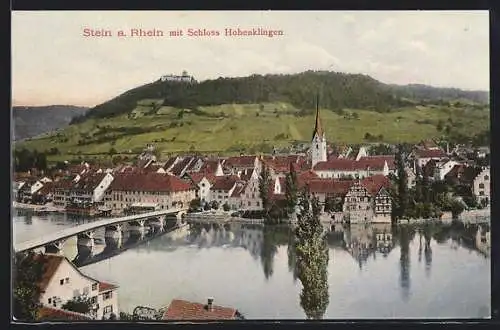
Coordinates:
(318, 144)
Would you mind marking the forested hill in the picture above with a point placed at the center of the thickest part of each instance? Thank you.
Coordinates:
(337, 90)
(428, 93)
(32, 121)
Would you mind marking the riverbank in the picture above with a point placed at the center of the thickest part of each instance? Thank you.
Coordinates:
(49, 207)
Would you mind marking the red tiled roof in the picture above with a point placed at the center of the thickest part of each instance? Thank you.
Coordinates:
(103, 286)
(89, 182)
(240, 188)
(240, 161)
(179, 167)
(225, 183)
(209, 166)
(53, 314)
(378, 161)
(375, 182)
(246, 175)
(197, 177)
(148, 182)
(185, 310)
(50, 265)
(169, 162)
(328, 186)
(47, 188)
(430, 153)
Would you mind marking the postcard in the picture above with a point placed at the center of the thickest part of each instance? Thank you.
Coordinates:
(250, 165)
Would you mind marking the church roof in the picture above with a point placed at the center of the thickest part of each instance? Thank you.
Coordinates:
(317, 126)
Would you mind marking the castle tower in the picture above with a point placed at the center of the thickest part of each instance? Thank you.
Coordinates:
(318, 143)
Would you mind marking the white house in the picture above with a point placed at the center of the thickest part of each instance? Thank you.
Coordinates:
(443, 167)
(62, 282)
(482, 185)
(150, 190)
(422, 156)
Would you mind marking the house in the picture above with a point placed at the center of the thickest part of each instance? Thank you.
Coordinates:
(350, 168)
(88, 191)
(203, 182)
(422, 156)
(250, 197)
(378, 186)
(186, 310)
(28, 189)
(368, 200)
(442, 168)
(236, 198)
(56, 314)
(212, 166)
(223, 188)
(482, 185)
(148, 190)
(44, 195)
(236, 165)
(61, 282)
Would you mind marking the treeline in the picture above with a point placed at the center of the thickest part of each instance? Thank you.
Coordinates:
(337, 91)
(424, 92)
(25, 160)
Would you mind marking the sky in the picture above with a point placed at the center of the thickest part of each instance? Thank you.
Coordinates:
(53, 62)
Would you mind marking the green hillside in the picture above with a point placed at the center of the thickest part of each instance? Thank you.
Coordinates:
(254, 127)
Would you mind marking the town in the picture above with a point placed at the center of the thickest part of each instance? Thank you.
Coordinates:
(352, 186)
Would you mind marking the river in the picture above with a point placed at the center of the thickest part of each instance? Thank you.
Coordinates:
(416, 272)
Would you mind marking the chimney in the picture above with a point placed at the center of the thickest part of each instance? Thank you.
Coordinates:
(210, 304)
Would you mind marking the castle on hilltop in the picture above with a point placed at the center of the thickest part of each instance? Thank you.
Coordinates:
(185, 77)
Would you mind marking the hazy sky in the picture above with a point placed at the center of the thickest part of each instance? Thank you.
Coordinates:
(54, 63)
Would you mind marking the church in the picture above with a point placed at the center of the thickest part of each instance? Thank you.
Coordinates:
(336, 167)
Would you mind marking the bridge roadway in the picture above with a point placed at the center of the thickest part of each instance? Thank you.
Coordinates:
(73, 231)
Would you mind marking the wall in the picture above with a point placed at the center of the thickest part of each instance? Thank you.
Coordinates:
(66, 291)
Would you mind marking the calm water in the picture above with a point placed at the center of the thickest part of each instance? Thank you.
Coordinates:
(431, 272)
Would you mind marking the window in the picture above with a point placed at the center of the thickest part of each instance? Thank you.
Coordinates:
(249, 203)
(481, 193)
(93, 300)
(481, 185)
(50, 300)
(107, 295)
(486, 177)
(67, 280)
(61, 281)
(94, 286)
(108, 309)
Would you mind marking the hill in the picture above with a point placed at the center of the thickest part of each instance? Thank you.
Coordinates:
(32, 121)
(257, 113)
(338, 91)
(433, 94)
(235, 128)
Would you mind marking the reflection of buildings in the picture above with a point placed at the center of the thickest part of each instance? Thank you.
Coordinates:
(362, 241)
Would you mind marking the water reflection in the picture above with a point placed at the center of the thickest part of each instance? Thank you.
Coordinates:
(364, 262)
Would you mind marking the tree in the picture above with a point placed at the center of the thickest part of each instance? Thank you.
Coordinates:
(456, 208)
(195, 204)
(264, 183)
(329, 204)
(207, 206)
(226, 207)
(312, 258)
(80, 304)
(214, 205)
(26, 292)
(291, 187)
(402, 183)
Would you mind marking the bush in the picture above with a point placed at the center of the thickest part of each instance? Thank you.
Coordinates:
(214, 205)
(226, 207)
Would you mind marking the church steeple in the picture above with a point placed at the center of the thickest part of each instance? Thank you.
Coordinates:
(318, 143)
(318, 130)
